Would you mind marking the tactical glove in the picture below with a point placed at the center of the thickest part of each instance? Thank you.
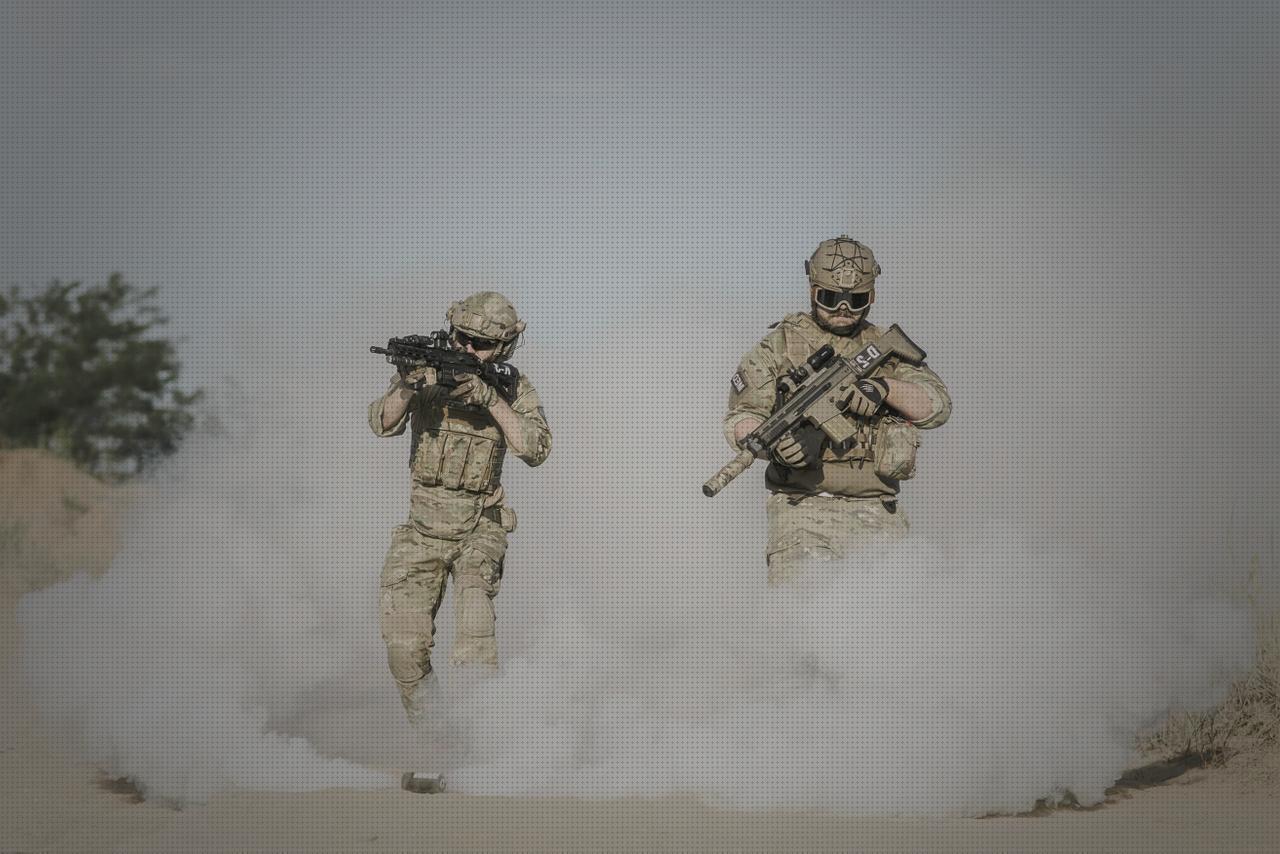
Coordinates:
(474, 391)
(790, 452)
(416, 379)
(866, 397)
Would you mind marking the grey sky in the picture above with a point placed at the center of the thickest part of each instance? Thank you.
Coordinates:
(1088, 185)
(215, 147)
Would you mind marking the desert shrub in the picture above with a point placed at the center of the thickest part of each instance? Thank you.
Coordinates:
(84, 374)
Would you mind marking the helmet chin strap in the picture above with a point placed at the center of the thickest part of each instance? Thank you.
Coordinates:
(509, 347)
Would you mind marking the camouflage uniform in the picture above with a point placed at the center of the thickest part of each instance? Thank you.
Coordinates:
(458, 524)
(830, 510)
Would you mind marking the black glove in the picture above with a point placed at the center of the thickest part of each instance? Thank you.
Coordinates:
(799, 448)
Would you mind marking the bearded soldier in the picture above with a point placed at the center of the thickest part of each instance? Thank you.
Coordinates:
(827, 499)
(458, 519)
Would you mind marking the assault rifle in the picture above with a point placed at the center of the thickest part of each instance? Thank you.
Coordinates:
(414, 351)
(816, 393)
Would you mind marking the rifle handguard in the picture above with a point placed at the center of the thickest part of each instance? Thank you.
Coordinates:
(450, 364)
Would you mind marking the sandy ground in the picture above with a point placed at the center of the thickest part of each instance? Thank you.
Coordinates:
(50, 802)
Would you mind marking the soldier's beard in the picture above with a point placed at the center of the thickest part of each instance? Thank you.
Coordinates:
(859, 319)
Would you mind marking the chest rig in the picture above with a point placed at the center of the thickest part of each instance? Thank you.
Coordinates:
(455, 446)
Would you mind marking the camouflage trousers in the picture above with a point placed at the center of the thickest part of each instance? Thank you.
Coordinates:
(805, 528)
(412, 590)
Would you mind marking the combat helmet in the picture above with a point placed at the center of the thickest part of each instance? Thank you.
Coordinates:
(843, 264)
(490, 315)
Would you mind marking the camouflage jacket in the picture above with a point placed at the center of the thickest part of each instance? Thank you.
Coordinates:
(457, 453)
(879, 456)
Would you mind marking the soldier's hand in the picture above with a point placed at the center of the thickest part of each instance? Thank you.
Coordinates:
(866, 397)
(418, 378)
(790, 452)
(474, 391)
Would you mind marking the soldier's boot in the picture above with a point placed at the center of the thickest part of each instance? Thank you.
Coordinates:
(422, 783)
(425, 708)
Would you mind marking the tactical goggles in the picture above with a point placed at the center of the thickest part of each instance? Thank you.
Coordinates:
(831, 300)
(464, 339)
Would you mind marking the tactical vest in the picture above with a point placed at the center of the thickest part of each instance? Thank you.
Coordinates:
(881, 452)
(455, 446)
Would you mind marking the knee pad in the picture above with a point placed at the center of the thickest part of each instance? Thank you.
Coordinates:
(408, 660)
(476, 642)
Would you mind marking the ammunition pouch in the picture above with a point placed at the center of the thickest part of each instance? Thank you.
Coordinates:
(444, 514)
(894, 448)
(458, 460)
(888, 442)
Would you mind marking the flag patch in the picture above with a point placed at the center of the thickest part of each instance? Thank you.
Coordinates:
(739, 384)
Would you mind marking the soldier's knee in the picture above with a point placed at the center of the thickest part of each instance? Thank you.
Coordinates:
(477, 642)
(409, 659)
(478, 574)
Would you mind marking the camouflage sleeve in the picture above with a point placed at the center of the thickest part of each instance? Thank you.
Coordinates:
(924, 377)
(753, 388)
(375, 414)
(533, 421)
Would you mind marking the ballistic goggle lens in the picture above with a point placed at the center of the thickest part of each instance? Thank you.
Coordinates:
(831, 300)
(464, 339)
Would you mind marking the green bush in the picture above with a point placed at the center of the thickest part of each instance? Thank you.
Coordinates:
(82, 374)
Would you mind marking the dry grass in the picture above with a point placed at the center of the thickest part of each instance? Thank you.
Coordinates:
(1246, 722)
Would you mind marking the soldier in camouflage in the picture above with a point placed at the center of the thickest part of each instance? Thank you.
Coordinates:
(826, 500)
(458, 519)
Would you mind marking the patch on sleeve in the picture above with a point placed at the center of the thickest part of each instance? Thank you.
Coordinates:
(739, 384)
